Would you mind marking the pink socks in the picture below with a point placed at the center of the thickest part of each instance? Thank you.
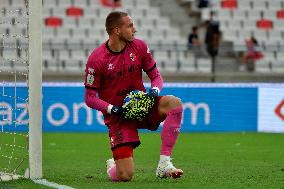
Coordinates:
(171, 130)
(112, 173)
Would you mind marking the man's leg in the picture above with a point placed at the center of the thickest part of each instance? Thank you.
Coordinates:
(121, 168)
(172, 108)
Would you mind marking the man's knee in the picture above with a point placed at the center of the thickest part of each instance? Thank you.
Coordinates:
(168, 103)
(125, 175)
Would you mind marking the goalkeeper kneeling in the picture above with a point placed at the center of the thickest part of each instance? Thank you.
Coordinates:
(115, 67)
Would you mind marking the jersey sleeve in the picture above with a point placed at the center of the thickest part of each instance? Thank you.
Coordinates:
(92, 73)
(148, 62)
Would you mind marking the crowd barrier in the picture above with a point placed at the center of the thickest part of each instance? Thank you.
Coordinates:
(207, 107)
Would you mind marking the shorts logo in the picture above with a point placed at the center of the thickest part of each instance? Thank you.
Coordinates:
(132, 57)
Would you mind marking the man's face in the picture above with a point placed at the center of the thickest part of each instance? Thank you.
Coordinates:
(127, 29)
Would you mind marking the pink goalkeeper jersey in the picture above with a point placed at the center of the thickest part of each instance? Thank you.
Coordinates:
(115, 74)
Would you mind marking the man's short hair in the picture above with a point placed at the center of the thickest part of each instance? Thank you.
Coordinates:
(114, 20)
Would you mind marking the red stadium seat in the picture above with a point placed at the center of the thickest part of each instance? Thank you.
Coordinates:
(264, 24)
(74, 11)
(229, 4)
(280, 14)
(111, 3)
(53, 22)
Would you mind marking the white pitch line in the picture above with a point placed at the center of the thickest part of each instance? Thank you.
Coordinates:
(51, 184)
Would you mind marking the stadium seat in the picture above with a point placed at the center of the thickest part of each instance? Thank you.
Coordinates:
(239, 14)
(18, 3)
(244, 4)
(64, 4)
(204, 65)
(249, 25)
(274, 5)
(265, 24)
(270, 14)
(187, 62)
(229, 4)
(9, 54)
(269, 56)
(63, 33)
(58, 12)
(74, 11)
(5, 3)
(84, 22)
(259, 4)
(224, 14)
(78, 33)
(254, 14)
(234, 24)
(280, 14)
(262, 66)
(279, 25)
(51, 65)
(46, 12)
(70, 22)
(142, 4)
(71, 66)
(53, 22)
(6, 65)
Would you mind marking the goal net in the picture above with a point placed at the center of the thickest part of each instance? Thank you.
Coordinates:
(20, 98)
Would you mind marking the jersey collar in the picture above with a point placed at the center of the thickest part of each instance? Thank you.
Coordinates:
(114, 52)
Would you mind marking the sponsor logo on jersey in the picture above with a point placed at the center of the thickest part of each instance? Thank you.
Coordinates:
(123, 72)
(124, 92)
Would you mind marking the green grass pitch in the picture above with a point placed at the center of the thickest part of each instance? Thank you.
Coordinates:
(209, 160)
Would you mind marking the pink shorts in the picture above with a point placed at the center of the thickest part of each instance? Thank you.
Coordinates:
(125, 132)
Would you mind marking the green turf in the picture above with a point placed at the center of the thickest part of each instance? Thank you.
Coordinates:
(209, 160)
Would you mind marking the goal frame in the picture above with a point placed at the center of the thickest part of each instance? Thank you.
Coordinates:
(35, 88)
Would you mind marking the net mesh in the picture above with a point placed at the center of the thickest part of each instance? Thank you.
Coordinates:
(14, 88)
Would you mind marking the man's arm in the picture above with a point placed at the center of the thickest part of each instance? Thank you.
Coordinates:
(93, 101)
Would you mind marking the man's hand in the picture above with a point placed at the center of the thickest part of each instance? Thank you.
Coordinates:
(115, 110)
(154, 92)
(139, 107)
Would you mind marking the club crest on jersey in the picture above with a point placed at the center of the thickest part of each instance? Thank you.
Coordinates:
(110, 66)
(132, 57)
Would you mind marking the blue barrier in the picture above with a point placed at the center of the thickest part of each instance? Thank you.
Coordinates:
(210, 109)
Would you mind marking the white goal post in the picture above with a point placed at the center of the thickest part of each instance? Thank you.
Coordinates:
(35, 88)
(31, 157)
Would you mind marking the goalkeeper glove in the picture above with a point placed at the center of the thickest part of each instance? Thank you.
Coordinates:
(115, 110)
(154, 92)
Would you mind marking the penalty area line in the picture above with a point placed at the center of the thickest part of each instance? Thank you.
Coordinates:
(51, 184)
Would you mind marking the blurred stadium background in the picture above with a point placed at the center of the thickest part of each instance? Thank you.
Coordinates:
(220, 96)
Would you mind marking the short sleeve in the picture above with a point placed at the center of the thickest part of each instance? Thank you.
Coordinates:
(148, 61)
(92, 73)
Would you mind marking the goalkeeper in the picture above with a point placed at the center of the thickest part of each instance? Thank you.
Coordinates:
(113, 70)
